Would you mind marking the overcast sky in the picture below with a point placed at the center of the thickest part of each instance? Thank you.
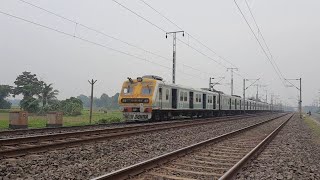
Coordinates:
(290, 27)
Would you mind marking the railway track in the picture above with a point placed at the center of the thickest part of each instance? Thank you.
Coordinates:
(33, 144)
(52, 130)
(217, 158)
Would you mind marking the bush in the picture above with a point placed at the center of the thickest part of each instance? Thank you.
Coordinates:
(110, 119)
(71, 106)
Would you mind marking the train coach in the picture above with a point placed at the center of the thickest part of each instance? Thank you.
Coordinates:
(150, 98)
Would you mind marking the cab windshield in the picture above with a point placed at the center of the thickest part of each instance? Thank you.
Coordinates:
(146, 90)
(128, 89)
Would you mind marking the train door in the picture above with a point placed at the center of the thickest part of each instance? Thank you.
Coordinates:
(191, 100)
(220, 101)
(160, 97)
(204, 101)
(214, 102)
(240, 105)
(230, 103)
(235, 104)
(174, 98)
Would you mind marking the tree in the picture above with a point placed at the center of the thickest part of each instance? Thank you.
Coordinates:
(30, 104)
(71, 106)
(47, 93)
(85, 100)
(28, 85)
(5, 91)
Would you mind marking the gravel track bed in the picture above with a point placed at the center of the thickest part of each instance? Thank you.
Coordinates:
(92, 160)
(222, 156)
(291, 155)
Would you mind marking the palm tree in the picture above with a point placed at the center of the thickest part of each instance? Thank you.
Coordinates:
(47, 93)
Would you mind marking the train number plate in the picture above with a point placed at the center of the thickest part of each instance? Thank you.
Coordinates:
(135, 100)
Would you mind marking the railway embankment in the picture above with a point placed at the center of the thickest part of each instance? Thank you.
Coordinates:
(293, 154)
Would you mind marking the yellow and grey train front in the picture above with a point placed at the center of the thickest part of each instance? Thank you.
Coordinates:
(136, 98)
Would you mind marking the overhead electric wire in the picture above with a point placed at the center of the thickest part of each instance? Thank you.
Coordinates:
(195, 49)
(259, 42)
(186, 32)
(89, 41)
(259, 31)
(80, 38)
(104, 34)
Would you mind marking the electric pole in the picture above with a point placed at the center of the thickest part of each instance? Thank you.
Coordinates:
(174, 53)
(300, 92)
(211, 84)
(300, 101)
(244, 91)
(92, 82)
(232, 78)
(244, 95)
(266, 96)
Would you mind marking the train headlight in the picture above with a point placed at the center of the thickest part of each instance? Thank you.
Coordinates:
(139, 79)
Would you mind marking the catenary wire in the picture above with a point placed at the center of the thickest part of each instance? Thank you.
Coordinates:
(259, 31)
(197, 40)
(104, 34)
(255, 36)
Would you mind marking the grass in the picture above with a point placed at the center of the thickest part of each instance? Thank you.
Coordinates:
(35, 121)
(315, 127)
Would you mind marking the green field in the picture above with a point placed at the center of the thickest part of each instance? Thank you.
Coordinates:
(35, 121)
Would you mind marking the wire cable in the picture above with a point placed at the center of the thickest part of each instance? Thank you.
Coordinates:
(259, 31)
(264, 51)
(187, 33)
(104, 34)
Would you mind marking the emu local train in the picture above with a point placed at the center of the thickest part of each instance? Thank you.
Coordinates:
(150, 98)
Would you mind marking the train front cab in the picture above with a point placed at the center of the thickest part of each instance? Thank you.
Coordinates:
(136, 99)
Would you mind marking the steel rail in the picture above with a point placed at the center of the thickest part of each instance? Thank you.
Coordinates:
(17, 140)
(34, 130)
(65, 143)
(231, 173)
(151, 163)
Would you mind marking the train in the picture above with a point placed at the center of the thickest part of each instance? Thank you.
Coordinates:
(149, 98)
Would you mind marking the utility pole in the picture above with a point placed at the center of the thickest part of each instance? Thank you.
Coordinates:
(300, 101)
(300, 92)
(244, 95)
(211, 84)
(174, 53)
(232, 78)
(266, 96)
(244, 91)
(92, 82)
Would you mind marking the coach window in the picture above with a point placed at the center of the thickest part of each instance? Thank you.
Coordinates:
(160, 93)
(167, 94)
(181, 96)
(185, 97)
(199, 97)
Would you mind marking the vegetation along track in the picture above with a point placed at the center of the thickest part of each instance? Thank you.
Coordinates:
(219, 157)
(32, 144)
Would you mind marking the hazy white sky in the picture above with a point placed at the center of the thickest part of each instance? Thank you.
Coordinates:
(290, 27)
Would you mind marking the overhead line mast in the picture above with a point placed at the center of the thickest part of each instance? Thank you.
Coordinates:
(174, 53)
(232, 78)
